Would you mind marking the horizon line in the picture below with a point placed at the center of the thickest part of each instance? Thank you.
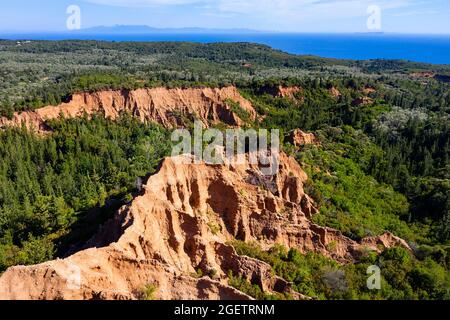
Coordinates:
(206, 29)
(224, 32)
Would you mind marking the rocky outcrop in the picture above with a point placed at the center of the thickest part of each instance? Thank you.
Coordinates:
(363, 101)
(431, 75)
(387, 240)
(168, 107)
(289, 92)
(425, 74)
(334, 92)
(184, 221)
(368, 90)
(298, 138)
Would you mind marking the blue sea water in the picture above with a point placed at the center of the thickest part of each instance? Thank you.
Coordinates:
(421, 48)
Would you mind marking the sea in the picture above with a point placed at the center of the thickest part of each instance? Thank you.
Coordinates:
(433, 49)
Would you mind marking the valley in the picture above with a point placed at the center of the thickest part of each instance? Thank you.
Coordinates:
(92, 205)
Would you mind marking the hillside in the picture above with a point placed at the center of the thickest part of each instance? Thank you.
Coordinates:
(86, 177)
(167, 107)
(181, 228)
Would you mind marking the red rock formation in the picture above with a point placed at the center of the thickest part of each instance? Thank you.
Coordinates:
(335, 93)
(368, 90)
(427, 75)
(282, 91)
(362, 101)
(184, 221)
(299, 138)
(161, 105)
(386, 240)
(288, 92)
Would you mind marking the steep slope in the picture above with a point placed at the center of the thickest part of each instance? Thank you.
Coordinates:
(281, 91)
(298, 138)
(184, 221)
(162, 105)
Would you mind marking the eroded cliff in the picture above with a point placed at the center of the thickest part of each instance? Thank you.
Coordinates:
(168, 107)
(184, 221)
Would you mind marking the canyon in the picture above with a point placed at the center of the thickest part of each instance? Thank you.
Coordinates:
(188, 214)
(186, 220)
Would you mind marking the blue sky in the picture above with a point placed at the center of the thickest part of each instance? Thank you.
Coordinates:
(402, 16)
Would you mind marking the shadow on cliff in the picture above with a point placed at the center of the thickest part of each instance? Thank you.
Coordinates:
(88, 226)
(99, 226)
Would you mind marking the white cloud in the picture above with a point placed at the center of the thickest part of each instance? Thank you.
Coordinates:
(299, 6)
(249, 6)
(415, 13)
(146, 3)
(278, 14)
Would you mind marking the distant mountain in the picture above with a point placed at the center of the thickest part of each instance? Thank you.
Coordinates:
(129, 29)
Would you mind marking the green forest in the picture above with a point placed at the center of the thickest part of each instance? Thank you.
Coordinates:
(381, 165)
(50, 185)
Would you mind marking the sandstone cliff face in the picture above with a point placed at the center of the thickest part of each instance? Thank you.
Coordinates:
(161, 105)
(363, 101)
(288, 92)
(367, 90)
(298, 138)
(282, 91)
(335, 93)
(428, 75)
(187, 214)
(184, 221)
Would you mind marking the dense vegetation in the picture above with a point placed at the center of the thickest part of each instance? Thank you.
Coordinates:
(403, 276)
(382, 163)
(37, 73)
(49, 185)
(379, 166)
